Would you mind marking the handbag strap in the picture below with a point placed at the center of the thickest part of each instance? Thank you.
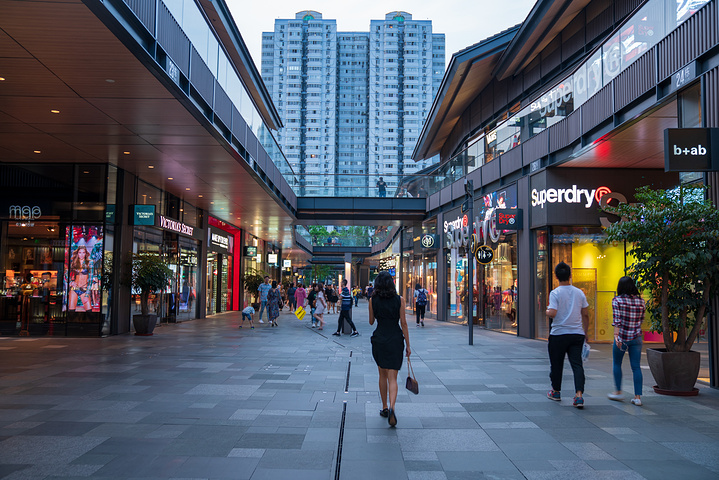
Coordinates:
(409, 363)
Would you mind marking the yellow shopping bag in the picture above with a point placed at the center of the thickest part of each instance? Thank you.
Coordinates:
(300, 313)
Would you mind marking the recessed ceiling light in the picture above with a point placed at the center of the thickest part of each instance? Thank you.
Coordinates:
(150, 166)
(36, 151)
(85, 171)
(187, 188)
(109, 80)
(126, 153)
(170, 178)
(212, 203)
(182, 209)
(199, 196)
(2, 79)
(54, 111)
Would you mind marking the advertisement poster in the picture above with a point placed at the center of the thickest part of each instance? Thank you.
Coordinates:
(83, 261)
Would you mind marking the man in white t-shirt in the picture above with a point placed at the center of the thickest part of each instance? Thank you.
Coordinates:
(569, 313)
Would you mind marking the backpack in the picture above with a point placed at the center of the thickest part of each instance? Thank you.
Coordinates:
(422, 297)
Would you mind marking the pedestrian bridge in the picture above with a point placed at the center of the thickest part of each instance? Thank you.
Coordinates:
(360, 211)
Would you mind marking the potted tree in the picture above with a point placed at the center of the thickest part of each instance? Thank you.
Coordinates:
(252, 279)
(673, 237)
(149, 274)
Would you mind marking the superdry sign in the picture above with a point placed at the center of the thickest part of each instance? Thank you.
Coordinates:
(584, 196)
(509, 218)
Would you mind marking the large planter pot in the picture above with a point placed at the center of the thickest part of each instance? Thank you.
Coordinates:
(676, 373)
(144, 324)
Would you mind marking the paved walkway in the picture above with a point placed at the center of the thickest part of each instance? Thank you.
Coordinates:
(204, 399)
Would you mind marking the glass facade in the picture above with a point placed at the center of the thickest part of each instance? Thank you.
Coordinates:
(51, 247)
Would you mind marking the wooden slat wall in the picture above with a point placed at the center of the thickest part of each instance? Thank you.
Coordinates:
(565, 132)
(172, 39)
(145, 11)
(597, 109)
(691, 39)
(636, 80)
(201, 77)
(223, 105)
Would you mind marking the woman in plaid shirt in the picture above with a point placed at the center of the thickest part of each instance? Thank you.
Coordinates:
(628, 308)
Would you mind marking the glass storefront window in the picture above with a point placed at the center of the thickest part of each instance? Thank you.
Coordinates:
(541, 283)
(497, 284)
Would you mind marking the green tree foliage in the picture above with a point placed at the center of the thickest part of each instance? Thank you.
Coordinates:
(320, 272)
(674, 241)
(252, 279)
(149, 274)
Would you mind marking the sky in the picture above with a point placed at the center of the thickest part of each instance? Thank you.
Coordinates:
(463, 22)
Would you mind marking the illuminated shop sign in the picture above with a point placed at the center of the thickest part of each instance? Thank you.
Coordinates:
(429, 241)
(509, 218)
(219, 240)
(691, 149)
(143, 215)
(272, 258)
(286, 263)
(250, 251)
(175, 226)
(457, 232)
(568, 195)
(24, 212)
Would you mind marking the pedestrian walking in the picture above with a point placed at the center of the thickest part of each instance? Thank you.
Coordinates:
(388, 340)
(273, 303)
(320, 305)
(247, 314)
(291, 301)
(346, 311)
(628, 311)
(568, 311)
(420, 303)
(332, 299)
(300, 296)
(311, 303)
(355, 294)
(264, 289)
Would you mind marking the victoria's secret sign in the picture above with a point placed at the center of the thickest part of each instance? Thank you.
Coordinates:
(175, 226)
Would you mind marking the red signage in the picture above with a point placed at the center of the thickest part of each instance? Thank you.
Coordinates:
(509, 218)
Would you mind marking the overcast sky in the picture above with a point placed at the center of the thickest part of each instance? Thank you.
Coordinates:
(463, 22)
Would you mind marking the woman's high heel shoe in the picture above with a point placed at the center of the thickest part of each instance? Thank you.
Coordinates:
(391, 418)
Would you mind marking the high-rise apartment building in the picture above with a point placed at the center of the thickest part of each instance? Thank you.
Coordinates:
(353, 103)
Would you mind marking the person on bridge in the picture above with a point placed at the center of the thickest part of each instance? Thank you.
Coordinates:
(387, 340)
(345, 311)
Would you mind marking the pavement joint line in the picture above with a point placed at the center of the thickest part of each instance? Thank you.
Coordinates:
(340, 440)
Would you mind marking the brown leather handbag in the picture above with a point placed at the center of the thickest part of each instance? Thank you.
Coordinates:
(411, 384)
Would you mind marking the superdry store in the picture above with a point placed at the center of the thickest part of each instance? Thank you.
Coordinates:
(494, 285)
(567, 223)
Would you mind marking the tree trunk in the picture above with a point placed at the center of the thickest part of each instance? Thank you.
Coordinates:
(666, 331)
(144, 301)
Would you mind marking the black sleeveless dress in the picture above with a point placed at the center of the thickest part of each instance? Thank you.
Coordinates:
(387, 339)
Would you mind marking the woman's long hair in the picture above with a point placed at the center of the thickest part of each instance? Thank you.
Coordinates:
(76, 263)
(384, 286)
(626, 286)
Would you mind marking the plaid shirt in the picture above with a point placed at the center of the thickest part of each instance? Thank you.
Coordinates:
(628, 316)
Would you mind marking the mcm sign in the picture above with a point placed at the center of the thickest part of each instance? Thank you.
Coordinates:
(25, 212)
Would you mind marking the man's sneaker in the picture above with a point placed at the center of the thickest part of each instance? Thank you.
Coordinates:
(418, 324)
(252, 328)
(261, 321)
(554, 395)
(578, 402)
(355, 334)
(314, 326)
(423, 323)
(336, 334)
(637, 402)
(617, 397)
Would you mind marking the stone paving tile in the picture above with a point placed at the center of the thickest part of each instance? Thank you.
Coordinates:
(219, 402)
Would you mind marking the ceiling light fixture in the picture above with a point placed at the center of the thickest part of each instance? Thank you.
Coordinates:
(2, 79)
(212, 203)
(170, 178)
(199, 196)
(36, 151)
(150, 166)
(85, 171)
(187, 188)
(54, 111)
(109, 80)
(126, 153)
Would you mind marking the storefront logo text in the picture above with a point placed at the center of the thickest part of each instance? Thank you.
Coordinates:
(568, 195)
(220, 241)
(25, 212)
(175, 226)
(458, 234)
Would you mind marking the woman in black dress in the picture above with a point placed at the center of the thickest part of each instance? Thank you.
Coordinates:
(388, 340)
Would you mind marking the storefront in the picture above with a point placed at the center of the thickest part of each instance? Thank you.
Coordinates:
(567, 223)
(262, 258)
(51, 241)
(494, 285)
(177, 237)
(222, 267)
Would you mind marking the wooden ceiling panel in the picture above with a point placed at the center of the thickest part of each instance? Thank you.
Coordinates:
(158, 129)
(10, 48)
(145, 111)
(28, 77)
(175, 139)
(34, 110)
(82, 129)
